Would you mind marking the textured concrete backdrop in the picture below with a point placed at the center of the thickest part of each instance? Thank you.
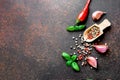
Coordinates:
(33, 35)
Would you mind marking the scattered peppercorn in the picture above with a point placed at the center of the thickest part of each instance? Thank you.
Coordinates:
(80, 57)
(73, 37)
(78, 51)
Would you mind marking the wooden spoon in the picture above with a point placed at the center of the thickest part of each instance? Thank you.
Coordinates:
(91, 30)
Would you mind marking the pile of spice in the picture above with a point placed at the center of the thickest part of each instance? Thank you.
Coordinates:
(81, 48)
(93, 32)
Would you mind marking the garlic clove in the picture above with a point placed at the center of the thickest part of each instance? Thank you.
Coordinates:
(97, 15)
(92, 61)
(101, 48)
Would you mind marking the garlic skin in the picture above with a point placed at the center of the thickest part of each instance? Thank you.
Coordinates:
(101, 48)
(92, 61)
(97, 15)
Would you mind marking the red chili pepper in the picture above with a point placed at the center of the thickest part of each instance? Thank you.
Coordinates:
(83, 15)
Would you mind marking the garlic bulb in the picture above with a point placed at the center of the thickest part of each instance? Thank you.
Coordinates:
(97, 15)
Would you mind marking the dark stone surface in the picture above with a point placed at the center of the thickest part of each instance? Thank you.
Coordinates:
(33, 35)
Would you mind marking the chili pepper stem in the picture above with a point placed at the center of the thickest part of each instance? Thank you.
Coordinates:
(77, 21)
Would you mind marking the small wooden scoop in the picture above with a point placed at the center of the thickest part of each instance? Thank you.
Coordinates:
(95, 31)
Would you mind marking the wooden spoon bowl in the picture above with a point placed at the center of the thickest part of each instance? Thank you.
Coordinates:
(95, 31)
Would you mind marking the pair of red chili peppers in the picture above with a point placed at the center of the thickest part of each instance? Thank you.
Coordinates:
(81, 18)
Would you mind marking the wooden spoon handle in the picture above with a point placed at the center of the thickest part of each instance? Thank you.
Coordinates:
(106, 23)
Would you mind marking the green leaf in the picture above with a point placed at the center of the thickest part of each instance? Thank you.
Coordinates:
(70, 28)
(68, 63)
(80, 27)
(66, 56)
(74, 57)
(75, 28)
(75, 66)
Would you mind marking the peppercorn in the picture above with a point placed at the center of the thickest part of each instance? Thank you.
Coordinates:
(80, 57)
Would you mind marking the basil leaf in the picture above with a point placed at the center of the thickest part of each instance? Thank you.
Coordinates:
(66, 56)
(75, 66)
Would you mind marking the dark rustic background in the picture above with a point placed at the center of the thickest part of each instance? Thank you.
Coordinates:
(33, 35)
